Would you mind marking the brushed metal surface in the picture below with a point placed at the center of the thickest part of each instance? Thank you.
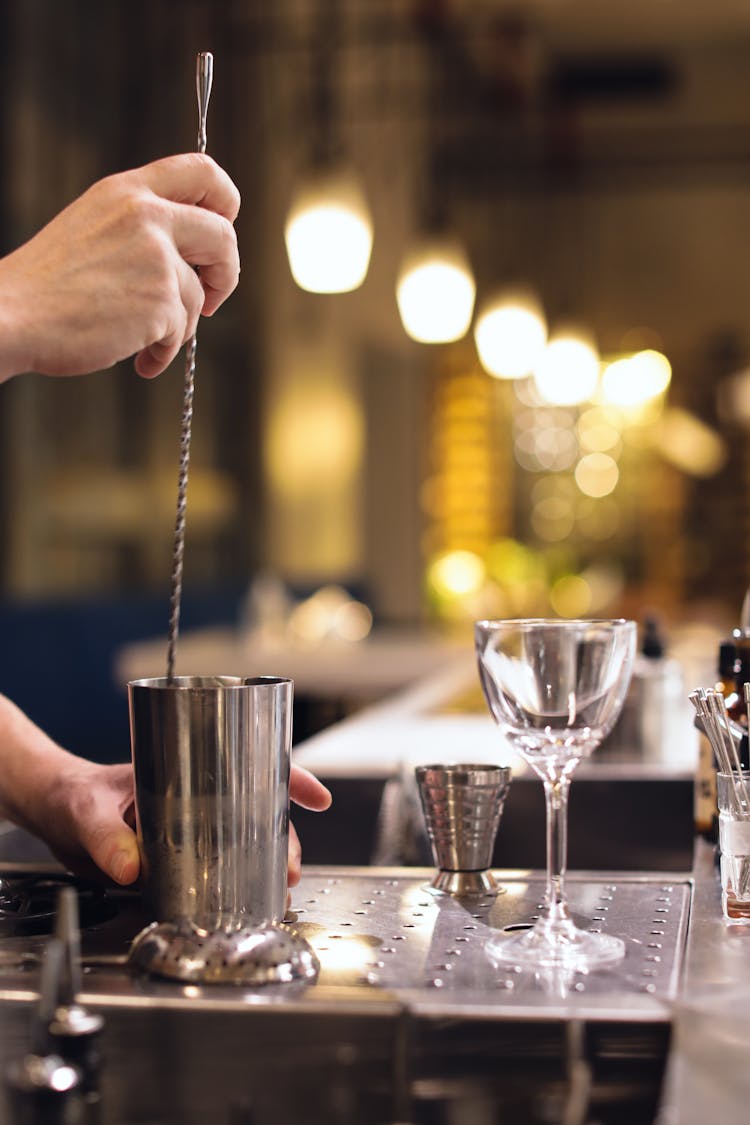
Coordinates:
(382, 938)
(462, 806)
(211, 757)
(409, 1020)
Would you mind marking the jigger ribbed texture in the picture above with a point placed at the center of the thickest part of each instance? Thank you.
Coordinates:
(462, 807)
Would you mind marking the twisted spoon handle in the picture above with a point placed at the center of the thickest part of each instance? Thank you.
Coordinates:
(203, 81)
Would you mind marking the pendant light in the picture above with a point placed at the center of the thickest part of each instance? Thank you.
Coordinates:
(510, 333)
(568, 370)
(631, 381)
(435, 287)
(328, 230)
(435, 290)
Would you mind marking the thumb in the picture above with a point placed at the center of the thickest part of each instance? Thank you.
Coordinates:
(113, 847)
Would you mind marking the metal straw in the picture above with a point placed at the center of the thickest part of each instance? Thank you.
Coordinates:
(718, 705)
(705, 722)
(723, 734)
(203, 81)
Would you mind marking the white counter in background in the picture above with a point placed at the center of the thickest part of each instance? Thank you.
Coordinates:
(443, 719)
(384, 663)
(418, 692)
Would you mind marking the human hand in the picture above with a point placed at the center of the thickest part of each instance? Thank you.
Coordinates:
(84, 811)
(87, 818)
(113, 274)
(307, 792)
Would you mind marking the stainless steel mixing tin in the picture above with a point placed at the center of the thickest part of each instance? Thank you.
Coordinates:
(211, 756)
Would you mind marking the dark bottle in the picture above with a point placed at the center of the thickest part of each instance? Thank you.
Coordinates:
(727, 668)
(736, 705)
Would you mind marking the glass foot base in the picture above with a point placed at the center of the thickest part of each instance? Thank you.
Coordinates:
(566, 947)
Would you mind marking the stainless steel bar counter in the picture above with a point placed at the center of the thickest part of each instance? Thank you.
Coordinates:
(410, 1020)
(708, 1077)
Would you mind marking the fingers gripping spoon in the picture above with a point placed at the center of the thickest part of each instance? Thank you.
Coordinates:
(203, 81)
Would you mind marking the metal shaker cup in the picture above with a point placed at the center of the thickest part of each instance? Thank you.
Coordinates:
(211, 756)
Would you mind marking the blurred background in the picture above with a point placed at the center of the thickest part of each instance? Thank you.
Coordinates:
(529, 394)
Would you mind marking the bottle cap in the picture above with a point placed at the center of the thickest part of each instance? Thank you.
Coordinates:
(727, 660)
(652, 644)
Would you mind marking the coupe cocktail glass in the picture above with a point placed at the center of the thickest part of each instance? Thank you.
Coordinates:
(555, 688)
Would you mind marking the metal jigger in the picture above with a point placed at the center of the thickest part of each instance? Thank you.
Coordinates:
(462, 808)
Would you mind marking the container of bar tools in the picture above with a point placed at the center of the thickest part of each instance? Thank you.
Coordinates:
(462, 807)
(211, 758)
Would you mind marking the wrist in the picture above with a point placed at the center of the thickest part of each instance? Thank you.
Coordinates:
(16, 353)
(31, 766)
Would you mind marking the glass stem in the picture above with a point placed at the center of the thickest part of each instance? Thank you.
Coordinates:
(556, 799)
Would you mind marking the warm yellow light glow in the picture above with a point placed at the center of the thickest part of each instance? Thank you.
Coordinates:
(353, 621)
(525, 390)
(690, 445)
(341, 954)
(511, 561)
(568, 369)
(542, 448)
(415, 898)
(435, 292)
(456, 574)
(553, 519)
(315, 438)
(597, 474)
(330, 614)
(571, 596)
(328, 233)
(598, 431)
(636, 379)
(510, 335)
(654, 369)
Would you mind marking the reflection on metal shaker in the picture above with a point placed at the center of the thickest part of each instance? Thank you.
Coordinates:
(211, 757)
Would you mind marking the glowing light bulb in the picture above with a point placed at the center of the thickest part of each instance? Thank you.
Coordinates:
(435, 292)
(456, 573)
(328, 233)
(568, 370)
(510, 334)
(635, 379)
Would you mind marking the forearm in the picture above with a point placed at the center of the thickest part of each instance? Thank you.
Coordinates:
(82, 810)
(30, 762)
(15, 353)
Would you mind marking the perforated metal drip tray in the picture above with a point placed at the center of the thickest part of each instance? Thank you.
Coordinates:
(384, 942)
(385, 932)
